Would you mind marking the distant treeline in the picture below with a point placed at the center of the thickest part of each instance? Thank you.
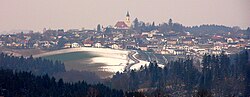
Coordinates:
(25, 84)
(202, 30)
(31, 77)
(37, 66)
(219, 75)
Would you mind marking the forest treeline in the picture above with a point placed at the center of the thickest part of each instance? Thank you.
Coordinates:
(201, 30)
(42, 66)
(217, 75)
(32, 77)
(220, 75)
(25, 84)
(38, 66)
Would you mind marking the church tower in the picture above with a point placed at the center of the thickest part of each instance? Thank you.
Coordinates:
(127, 21)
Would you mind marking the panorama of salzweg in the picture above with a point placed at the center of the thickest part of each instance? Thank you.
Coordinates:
(128, 59)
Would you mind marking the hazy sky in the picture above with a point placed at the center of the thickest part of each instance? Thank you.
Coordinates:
(55, 14)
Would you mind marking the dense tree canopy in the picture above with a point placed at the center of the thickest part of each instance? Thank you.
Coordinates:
(35, 65)
(25, 84)
(220, 75)
(98, 28)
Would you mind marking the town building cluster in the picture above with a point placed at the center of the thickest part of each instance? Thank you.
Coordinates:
(122, 36)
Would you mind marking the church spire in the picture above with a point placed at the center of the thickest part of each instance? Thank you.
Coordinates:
(128, 14)
(127, 21)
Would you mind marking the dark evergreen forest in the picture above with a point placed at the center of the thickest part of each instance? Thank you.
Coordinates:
(220, 75)
(25, 84)
(38, 66)
(31, 77)
(201, 30)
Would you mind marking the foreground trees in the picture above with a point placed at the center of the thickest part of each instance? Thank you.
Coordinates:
(220, 75)
(25, 84)
(37, 66)
(30, 77)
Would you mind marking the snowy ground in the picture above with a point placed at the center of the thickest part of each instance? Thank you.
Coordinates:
(114, 60)
(142, 63)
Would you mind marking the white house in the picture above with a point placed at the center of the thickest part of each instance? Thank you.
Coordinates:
(179, 52)
(186, 48)
(167, 51)
(115, 46)
(230, 40)
(2, 43)
(201, 51)
(75, 45)
(247, 46)
(67, 45)
(98, 45)
(217, 48)
(35, 45)
(45, 43)
(216, 52)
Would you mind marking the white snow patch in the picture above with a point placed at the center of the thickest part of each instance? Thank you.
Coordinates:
(115, 60)
(142, 63)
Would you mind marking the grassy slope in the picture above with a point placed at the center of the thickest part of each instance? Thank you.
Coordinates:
(71, 56)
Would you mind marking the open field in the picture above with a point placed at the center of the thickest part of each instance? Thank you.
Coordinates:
(104, 60)
(82, 55)
(22, 52)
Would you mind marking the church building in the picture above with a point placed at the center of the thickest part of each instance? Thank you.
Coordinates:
(123, 24)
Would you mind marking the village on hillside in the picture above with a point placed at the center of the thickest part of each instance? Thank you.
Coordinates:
(167, 38)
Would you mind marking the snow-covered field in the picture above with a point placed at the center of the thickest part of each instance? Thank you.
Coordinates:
(142, 63)
(115, 60)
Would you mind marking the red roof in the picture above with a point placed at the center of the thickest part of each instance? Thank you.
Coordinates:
(121, 25)
(143, 45)
(88, 42)
(215, 37)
